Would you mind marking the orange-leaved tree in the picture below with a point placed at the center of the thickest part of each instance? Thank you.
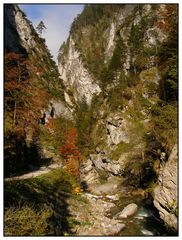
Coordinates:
(24, 96)
(71, 153)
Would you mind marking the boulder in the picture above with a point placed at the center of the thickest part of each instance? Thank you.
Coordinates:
(128, 211)
(115, 229)
(87, 167)
(88, 175)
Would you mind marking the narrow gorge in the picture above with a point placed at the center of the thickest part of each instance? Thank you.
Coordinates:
(91, 143)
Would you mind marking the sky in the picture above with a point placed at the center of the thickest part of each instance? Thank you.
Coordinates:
(57, 19)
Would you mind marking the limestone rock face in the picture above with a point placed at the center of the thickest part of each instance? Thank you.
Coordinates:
(111, 33)
(76, 76)
(102, 162)
(24, 30)
(12, 40)
(117, 130)
(88, 174)
(166, 193)
(61, 109)
(19, 30)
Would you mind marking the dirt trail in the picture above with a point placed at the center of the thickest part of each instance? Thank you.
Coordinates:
(36, 172)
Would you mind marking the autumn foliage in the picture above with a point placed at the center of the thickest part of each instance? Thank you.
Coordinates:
(167, 15)
(70, 152)
(24, 96)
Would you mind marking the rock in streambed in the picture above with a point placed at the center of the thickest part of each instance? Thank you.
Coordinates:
(128, 211)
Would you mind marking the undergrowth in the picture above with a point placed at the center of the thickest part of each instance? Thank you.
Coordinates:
(40, 206)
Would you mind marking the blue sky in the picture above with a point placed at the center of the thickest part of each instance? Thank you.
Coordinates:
(57, 19)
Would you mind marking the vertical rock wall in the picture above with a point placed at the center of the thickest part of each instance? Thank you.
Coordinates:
(166, 193)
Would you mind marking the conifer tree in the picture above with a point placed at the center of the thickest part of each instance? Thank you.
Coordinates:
(40, 27)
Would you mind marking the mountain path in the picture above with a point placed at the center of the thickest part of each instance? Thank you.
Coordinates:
(35, 173)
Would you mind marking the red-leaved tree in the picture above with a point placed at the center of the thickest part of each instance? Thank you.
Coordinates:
(70, 152)
(24, 96)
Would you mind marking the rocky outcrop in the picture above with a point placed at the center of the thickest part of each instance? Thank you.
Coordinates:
(88, 174)
(19, 32)
(25, 29)
(57, 108)
(166, 193)
(76, 76)
(117, 130)
(102, 162)
(99, 166)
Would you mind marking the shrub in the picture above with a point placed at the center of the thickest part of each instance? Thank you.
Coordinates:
(26, 221)
(39, 206)
(52, 134)
(132, 79)
(165, 123)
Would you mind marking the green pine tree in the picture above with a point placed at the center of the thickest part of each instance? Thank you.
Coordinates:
(40, 27)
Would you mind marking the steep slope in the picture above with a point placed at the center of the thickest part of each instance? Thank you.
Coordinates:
(73, 70)
(32, 89)
(20, 37)
(127, 56)
(110, 120)
(165, 194)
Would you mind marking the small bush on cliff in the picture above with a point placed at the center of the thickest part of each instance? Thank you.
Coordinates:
(165, 123)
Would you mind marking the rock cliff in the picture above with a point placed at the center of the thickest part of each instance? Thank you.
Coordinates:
(166, 192)
(21, 38)
(76, 77)
(113, 59)
(118, 81)
(33, 92)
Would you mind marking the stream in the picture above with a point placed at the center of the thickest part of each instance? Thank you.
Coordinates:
(146, 222)
(121, 210)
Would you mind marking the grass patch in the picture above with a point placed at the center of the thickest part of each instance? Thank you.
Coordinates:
(120, 148)
(41, 202)
(27, 221)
